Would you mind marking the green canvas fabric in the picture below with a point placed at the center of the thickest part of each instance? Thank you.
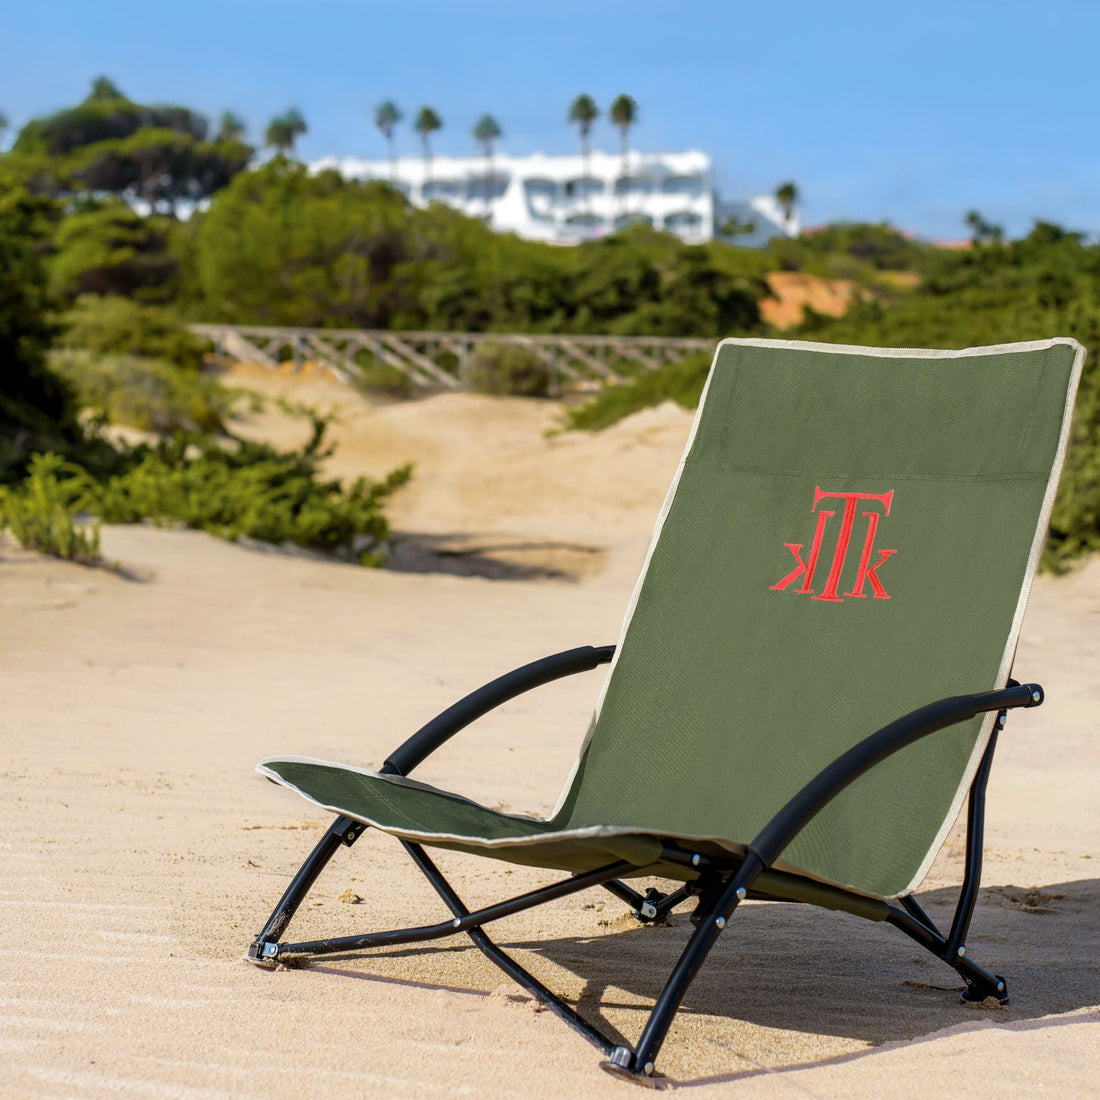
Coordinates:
(739, 676)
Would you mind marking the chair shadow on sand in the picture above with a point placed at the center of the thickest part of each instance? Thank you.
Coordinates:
(494, 557)
(799, 969)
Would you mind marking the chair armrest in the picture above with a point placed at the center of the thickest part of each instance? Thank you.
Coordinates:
(456, 717)
(827, 784)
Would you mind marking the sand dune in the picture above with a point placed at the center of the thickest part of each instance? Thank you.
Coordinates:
(141, 853)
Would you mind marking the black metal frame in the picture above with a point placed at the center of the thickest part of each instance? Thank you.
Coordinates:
(721, 883)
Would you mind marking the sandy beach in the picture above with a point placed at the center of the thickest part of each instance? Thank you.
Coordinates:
(141, 852)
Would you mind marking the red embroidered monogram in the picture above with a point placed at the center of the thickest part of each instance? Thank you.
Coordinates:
(866, 572)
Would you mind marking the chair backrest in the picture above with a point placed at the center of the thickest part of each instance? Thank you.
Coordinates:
(852, 533)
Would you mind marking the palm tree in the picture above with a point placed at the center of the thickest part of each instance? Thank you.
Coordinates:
(486, 131)
(786, 194)
(427, 122)
(386, 116)
(230, 127)
(278, 135)
(293, 118)
(282, 132)
(623, 113)
(583, 111)
(3, 123)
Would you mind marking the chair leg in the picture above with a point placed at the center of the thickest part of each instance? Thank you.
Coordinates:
(502, 959)
(342, 831)
(914, 922)
(714, 917)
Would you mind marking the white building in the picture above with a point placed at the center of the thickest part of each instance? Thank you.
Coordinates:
(567, 199)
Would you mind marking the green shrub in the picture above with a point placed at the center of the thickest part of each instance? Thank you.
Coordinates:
(113, 326)
(145, 393)
(507, 369)
(681, 382)
(380, 378)
(42, 512)
(251, 490)
(231, 489)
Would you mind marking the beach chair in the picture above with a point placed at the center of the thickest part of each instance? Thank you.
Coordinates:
(811, 676)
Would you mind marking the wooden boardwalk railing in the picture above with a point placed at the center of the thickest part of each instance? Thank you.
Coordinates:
(441, 359)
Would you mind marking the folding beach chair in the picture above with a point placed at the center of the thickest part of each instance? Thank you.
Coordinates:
(847, 547)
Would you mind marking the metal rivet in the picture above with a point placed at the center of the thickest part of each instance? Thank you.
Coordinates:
(1001, 721)
(648, 1069)
(695, 860)
(961, 951)
(1000, 987)
(1036, 696)
(457, 922)
(720, 922)
(741, 892)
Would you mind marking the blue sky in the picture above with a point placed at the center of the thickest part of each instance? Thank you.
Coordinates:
(910, 112)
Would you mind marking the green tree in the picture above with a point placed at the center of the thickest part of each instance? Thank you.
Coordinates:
(427, 123)
(486, 131)
(584, 112)
(36, 408)
(3, 123)
(786, 194)
(107, 143)
(283, 247)
(981, 231)
(105, 89)
(386, 117)
(284, 130)
(230, 127)
(108, 248)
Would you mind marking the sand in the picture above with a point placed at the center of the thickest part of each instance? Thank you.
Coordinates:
(141, 853)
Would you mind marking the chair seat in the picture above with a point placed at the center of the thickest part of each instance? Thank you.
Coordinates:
(427, 815)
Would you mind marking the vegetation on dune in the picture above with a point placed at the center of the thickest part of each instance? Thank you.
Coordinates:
(1046, 284)
(681, 382)
(115, 325)
(139, 365)
(282, 247)
(43, 513)
(150, 394)
(136, 363)
(251, 490)
(507, 369)
(98, 277)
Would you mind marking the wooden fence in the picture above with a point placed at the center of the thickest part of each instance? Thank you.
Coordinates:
(440, 360)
